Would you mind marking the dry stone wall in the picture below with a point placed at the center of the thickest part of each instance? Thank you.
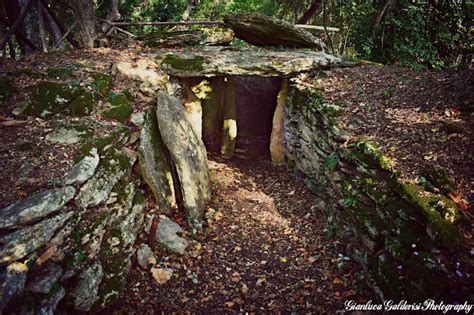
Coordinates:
(409, 240)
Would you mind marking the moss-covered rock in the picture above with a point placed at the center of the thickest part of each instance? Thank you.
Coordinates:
(120, 108)
(176, 62)
(162, 39)
(440, 212)
(103, 83)
(51, 98)
(440, 179)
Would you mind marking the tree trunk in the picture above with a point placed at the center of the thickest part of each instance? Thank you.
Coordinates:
(44, 42)
(17, 26)
(114, 14)
(313, 9)
(13, 10)
(84, 11)
(382, 11)
(53, 27)
(57, 22)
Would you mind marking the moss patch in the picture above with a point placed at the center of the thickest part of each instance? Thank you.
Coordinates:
(184, 64)
(120, 109)
(102, 83)
(440, 212)
(50, 98)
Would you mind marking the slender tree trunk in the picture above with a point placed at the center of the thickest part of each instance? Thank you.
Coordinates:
(313, 9)
(57, 22)
(383, 9)
(53, 27)
(84, 11)
(13, 10)
(44, 42)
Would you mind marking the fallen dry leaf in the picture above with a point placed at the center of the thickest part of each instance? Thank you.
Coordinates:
(161, 275)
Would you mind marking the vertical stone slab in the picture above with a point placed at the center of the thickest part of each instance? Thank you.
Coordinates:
(193, 107)
(277, 138)
(155, 167)
(188, 154)
(229, 126)
(212, 110)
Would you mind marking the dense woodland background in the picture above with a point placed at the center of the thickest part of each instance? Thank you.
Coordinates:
(414, 33)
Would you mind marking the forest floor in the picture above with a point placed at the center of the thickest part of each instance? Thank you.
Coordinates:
(268, 246)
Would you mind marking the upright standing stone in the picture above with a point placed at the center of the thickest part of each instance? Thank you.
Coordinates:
(188, 154)
(193, 107)
(277, 139)
(229, 126)
(155, 167)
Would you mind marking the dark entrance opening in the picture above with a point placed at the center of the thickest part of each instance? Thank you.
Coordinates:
(256, 100)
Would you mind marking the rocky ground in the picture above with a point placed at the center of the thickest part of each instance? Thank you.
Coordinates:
(268, 246)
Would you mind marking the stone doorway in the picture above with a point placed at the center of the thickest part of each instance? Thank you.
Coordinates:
(256, 100)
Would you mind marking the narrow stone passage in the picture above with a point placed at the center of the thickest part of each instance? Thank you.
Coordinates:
(267, 246)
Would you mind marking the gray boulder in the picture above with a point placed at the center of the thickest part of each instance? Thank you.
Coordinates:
(86, 291)
(188, 154)
(167, 234)
(261, 30)
(18, 244)
(144, 254)
(12, 283)
(155, 167)
(35, 207)
(83, 170)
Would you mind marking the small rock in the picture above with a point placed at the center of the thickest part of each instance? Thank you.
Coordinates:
(48, 306)
(145, 256)
(161, 275)
(138, 119)
(86, 291)
(12, 283)
(45, 278)
(167, 235)
(83, 170)
(35, 207)
(65, 136)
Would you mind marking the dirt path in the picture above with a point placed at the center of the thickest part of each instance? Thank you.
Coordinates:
(266, 248)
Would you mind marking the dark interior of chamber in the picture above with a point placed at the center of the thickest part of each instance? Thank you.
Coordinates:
(256, 99)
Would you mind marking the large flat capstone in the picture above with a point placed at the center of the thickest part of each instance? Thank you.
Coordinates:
(215, 61)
